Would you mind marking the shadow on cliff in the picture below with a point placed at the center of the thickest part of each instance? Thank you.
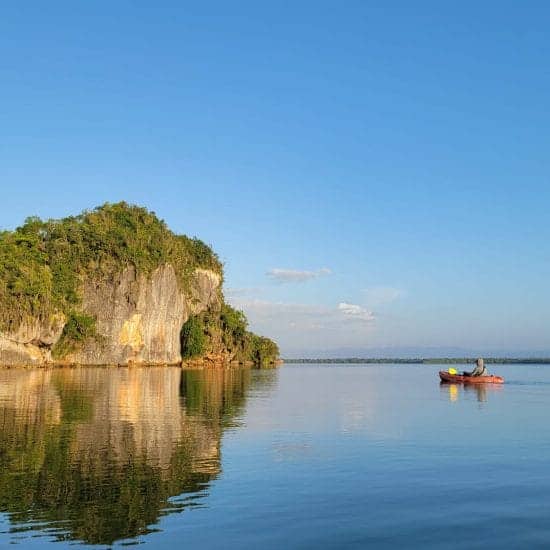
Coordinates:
(99, 455)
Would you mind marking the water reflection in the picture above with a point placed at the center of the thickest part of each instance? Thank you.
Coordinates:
(479, 391)
(96, 454)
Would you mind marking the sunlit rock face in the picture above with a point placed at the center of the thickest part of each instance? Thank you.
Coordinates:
(138, 320)
(31, 343)
(97, 453)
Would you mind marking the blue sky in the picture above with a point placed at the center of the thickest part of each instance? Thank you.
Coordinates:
(371, 173)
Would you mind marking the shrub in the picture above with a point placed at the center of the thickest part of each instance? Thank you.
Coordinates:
(193, 340)
(233, 325)
(77, 330)
(263, 351)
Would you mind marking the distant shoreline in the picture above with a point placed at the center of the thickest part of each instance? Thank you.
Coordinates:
(426, 361)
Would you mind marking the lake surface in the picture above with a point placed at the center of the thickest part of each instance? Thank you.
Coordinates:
(305, 456)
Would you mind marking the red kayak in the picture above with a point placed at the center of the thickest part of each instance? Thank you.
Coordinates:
(459, 378)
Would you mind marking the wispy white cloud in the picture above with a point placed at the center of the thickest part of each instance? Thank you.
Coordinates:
(296, 276)
(308, 326)
(280, 312)
(355, 312)
(303, 317)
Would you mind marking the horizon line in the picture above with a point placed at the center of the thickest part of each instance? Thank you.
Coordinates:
(418, 360)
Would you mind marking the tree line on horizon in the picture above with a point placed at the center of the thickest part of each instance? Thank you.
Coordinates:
(423, 361)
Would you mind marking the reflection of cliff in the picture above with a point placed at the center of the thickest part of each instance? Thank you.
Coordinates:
(104, 449)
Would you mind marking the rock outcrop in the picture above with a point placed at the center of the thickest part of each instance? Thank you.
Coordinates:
(31, 343)
(115, 286)
(138, 320)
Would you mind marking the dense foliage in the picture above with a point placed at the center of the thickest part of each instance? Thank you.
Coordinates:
(42, 263)
(226, 330)
(78, 328)
(193, 339)
(263, 351)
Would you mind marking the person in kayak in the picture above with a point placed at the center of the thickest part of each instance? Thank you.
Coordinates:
(479, 370)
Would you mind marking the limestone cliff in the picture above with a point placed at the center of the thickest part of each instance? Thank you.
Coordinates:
(31, 343)
(138, 321)
(139, 318)
(114, 286)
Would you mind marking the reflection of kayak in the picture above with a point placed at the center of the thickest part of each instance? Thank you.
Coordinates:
(446, 377)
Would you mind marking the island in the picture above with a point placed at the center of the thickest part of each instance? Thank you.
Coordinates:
(115, 286)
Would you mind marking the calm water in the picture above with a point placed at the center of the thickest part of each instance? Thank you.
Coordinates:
(300, 457)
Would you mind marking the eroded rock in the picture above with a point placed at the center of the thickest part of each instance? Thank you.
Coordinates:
(138, 320)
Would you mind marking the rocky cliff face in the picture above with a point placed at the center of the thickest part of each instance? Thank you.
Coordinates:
(31, 343)
(138, 320)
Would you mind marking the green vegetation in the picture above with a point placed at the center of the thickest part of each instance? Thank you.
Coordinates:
(193, 339)
(234, 325)
(77, 330)
(246, 345)
(43, 263)
(263, 351)
(226, 331)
